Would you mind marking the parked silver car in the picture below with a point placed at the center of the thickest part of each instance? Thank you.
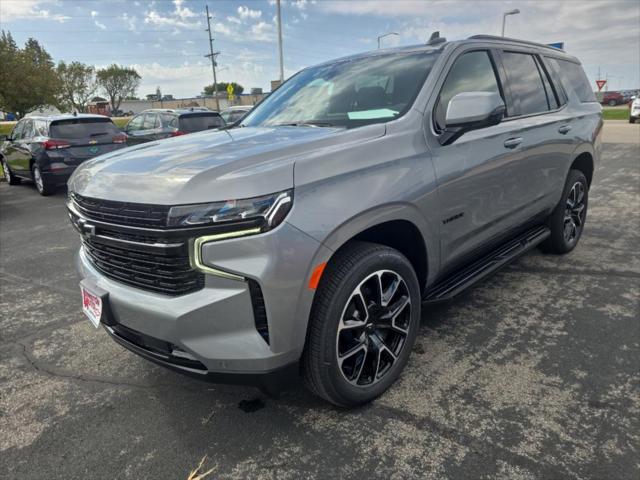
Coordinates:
(308, 239)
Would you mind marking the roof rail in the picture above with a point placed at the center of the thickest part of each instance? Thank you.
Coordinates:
(515, 40)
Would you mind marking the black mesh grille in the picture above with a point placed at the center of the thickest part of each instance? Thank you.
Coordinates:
(166, 271)
(259, 309)
(122, 213)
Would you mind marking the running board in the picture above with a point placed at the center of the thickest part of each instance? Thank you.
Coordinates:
(462, 279)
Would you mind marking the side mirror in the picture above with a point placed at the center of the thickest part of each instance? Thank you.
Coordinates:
(469, 111)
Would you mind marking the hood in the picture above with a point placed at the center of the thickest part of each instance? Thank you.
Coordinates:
(206, 166)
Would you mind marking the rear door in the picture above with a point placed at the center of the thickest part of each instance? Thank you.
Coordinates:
(134, 131)
(86, 137)
(545, 127)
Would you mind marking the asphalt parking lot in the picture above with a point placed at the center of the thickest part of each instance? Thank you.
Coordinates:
(531, 374)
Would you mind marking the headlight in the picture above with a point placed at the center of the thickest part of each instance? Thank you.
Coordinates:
(268, 211)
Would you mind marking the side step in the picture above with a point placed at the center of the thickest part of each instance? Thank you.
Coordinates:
(462, 279)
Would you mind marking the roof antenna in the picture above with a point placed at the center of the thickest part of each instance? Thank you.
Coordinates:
(435, 38)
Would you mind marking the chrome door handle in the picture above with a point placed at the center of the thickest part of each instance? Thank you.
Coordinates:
(512, 142)
(564, 129)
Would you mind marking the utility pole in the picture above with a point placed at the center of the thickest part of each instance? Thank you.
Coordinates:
(212, 56)
(280, 41)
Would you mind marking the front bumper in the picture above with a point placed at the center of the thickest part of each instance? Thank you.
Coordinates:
(215, 326)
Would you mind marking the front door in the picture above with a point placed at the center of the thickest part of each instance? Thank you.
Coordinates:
(478, 181)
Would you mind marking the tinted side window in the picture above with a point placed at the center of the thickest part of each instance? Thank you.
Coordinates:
(17, 131)
(525, 82)
(169, 120)
(27, 131)
(150, 121)
(135, 123)
(471, 72)
(552, 99)
(573, 78)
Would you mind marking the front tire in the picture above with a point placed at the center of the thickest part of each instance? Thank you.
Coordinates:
(363, 324)
(8, 176)
(632, 120)
(567, 220)
(42, 186)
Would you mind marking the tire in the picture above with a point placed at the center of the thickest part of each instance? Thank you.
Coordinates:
(42, 186)
(612, 103)
(381, 349)
(9, 177)
(567, 220)
(632, 120)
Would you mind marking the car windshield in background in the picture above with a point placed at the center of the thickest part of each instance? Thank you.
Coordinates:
(200, 121)
(349, 94)
(80, 128)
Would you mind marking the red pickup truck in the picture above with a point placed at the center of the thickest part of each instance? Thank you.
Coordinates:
(612, 99)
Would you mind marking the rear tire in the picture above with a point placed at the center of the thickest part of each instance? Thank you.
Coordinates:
(42, 186)
(567, 220)
(9, 177)
(632, 120)
(363, 324)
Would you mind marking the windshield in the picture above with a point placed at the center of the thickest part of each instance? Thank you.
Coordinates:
(349, 94)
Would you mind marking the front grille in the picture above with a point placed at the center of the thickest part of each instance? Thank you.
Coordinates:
(161, 270)
(122, 213)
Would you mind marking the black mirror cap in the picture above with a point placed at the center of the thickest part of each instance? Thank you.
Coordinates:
(451, 134)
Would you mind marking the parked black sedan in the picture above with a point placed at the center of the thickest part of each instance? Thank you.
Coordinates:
(47, 149)
(156, 124)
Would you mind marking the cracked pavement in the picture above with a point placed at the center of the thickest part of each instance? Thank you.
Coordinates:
(533, 373)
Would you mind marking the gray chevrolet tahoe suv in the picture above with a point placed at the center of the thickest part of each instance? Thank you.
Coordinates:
(308, 239)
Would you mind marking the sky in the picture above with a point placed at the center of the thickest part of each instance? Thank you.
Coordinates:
(165, 40)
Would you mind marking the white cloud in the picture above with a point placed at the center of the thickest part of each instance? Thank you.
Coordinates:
(234, 19)
(181, 17)
(94, 14)
(246, 13)
(100, 25)
(29, 9)
(131, 21)
(262, 31)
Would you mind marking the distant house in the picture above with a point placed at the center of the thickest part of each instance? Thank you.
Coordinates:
(100, 106)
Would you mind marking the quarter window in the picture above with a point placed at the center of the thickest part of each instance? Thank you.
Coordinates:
(525, 82)
(573, 78)
(471, 72)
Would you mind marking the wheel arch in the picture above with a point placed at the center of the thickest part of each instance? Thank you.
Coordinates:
(584, 163)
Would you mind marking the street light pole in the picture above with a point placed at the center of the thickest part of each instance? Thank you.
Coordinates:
(504, 17)
(385, 35)
(280, 41)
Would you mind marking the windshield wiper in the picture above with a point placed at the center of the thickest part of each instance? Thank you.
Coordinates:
(306, 123)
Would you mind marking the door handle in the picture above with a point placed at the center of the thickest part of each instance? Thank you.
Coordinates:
(512, 142)
(564, 129)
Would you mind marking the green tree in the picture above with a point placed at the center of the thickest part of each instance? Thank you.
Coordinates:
(222, 87)
(77, 85)
(28, 79)
(118, 83)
